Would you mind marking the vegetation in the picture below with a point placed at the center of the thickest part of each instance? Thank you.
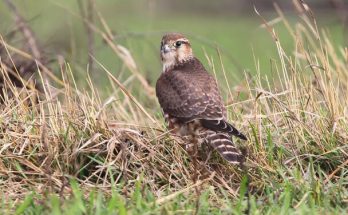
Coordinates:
(68, 150)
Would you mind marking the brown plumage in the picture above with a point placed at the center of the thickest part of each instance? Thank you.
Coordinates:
(188, 94)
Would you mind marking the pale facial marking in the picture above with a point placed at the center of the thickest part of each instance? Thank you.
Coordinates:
(174, 52)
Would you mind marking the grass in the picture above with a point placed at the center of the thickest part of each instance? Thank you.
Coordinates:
(73, 151)
(237, 37)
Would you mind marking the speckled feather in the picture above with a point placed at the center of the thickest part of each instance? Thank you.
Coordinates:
(189, 92)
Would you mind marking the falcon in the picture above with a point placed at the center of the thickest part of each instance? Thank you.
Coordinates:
(191, 101)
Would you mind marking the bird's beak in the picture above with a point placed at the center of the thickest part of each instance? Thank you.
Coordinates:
(165, 48)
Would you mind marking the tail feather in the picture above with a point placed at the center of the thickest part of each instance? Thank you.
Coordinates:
(223, 144)
(222, 126)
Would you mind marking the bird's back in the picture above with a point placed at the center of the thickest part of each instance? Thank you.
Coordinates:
(189, 86)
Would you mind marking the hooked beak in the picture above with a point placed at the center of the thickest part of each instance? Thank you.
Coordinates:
(165, 48)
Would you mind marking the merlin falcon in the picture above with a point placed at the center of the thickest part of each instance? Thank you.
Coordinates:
(190, 98)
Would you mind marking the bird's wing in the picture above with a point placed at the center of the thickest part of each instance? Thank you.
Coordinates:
(192, 93)
(188, 96)
(222, 126)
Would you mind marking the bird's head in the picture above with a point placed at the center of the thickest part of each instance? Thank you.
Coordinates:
(175, 49)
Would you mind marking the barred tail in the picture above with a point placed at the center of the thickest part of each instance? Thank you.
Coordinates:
(223, 144)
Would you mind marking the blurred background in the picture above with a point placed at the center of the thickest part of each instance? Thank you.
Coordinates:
(229, 27)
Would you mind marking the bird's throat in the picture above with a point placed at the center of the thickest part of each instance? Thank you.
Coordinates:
(171, 63)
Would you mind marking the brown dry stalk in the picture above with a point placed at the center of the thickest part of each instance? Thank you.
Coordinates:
(26, 30)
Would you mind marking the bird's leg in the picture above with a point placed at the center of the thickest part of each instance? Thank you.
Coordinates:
(210, 151)
(173, 126)
(194, 157)
(192, 127)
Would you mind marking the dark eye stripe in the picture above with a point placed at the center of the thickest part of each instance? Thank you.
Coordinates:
(180, 42)
(183, 42)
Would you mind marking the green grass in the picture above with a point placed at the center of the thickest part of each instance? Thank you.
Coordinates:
(284, 198)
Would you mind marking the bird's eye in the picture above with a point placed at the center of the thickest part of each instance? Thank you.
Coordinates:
(178, 43)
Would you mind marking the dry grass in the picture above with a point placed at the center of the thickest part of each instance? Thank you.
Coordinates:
(296, 122)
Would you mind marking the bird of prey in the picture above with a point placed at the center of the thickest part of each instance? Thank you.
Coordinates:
(189, 95)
